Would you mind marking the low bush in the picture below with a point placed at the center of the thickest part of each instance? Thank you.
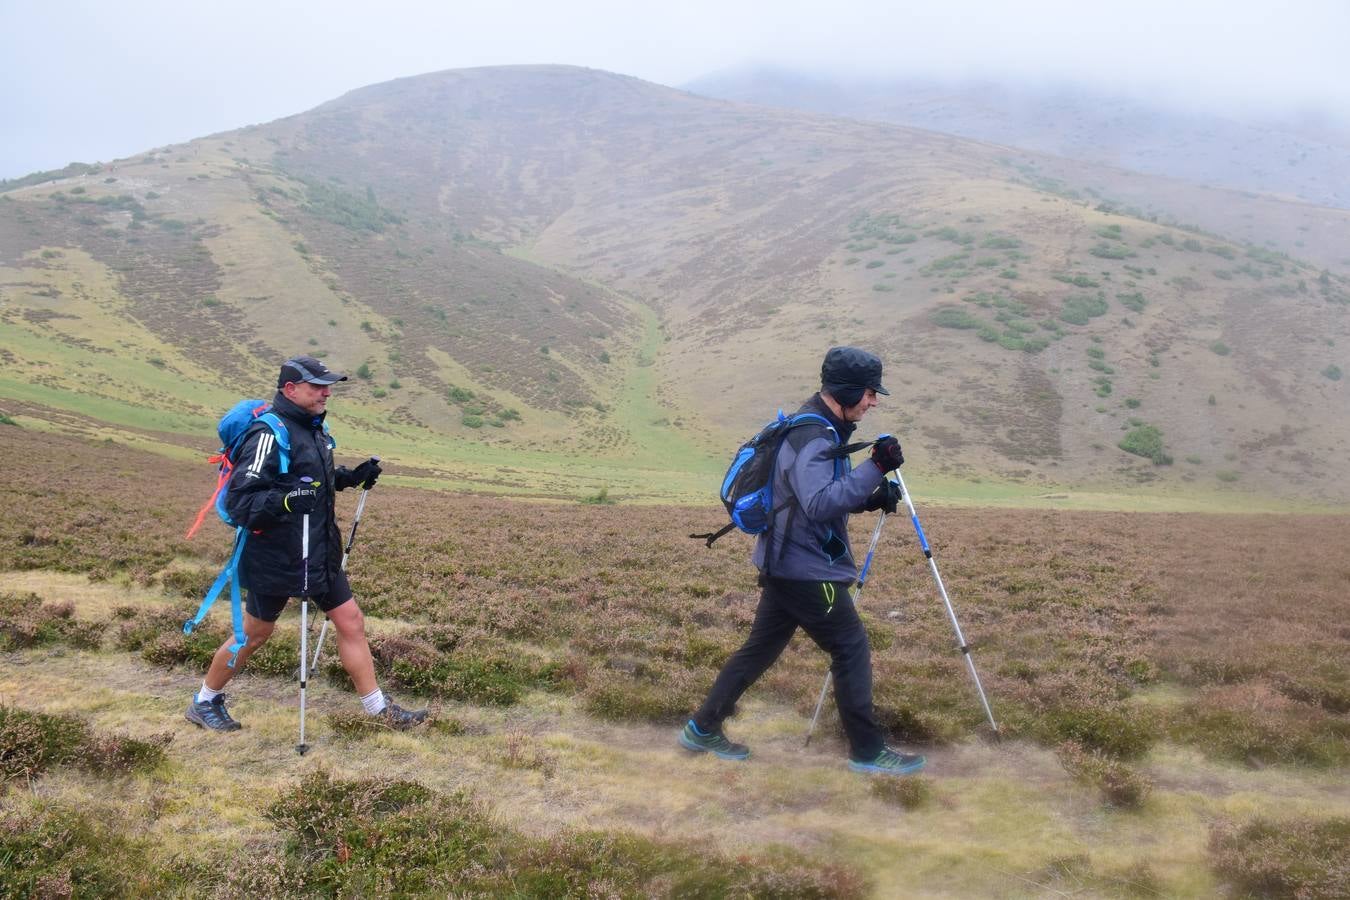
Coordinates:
(33, 742)
(25, 621)
(388, 837)
(1119, 784)
(1079, 308)
(1146, 441)
(55, 851)
(955, 317)
(1257, 725)
(1111, 251)
(1115, 729)
(1132, 301)
(664, 696)
(1298, 858)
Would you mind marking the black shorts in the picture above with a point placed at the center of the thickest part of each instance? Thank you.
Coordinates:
(268, 607)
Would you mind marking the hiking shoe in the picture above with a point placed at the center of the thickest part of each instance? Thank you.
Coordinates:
(401, 719)
(889, 762)
(211, 714)
(715, 743)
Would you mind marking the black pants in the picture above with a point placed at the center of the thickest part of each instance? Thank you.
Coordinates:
(825, 611)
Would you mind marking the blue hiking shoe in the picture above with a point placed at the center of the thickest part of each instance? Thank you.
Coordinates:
(716, 743)
(211, 714)
(889, 762)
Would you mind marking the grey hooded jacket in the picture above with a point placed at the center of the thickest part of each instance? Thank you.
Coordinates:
(814, 494)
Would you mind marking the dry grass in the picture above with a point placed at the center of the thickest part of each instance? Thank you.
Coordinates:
(561, 643)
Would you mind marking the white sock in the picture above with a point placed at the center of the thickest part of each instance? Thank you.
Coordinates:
(374, 702)
(206, 695)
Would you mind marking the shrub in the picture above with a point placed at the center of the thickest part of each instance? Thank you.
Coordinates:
(955, 317)
(1134, 301)
(1146, 441)
(470, 420)
(1333, 372)
(56, 851)
(1132, 402)
(1302, 858)
(1110, 251)
(1079, 308)
(1119, 784)
(26, 621)
(1227, 475)
(363, 372)
(387, 837)
(1077, 280)
(33, 742)
(1220, 348)
(1116, 730)
(663, 697)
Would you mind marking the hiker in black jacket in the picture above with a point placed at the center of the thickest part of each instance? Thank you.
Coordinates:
(273, 506)
(807, 568)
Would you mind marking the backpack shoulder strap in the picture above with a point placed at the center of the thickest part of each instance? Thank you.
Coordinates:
(273, 421)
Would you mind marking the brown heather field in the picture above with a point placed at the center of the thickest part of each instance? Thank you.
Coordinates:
(1173, 689)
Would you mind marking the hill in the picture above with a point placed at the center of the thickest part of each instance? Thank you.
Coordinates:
(1275, 181)
(556, 281)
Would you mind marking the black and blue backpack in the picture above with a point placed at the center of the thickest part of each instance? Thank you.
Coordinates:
(232, 428)
(747, 488)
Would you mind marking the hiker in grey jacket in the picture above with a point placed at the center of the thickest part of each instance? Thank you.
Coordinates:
(807, 568)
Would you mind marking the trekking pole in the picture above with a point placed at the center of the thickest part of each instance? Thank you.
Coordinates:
(304, 623)
(356, 521)
(862, 580)
(951, 613)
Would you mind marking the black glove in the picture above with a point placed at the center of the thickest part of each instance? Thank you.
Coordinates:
(886, 453)
(366, 473)
(885, 497)
(298, 497)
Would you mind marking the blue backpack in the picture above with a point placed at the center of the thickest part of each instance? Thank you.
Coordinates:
(232, 428)
(747, 488)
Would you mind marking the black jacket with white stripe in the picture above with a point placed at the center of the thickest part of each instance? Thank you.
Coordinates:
(273, 562)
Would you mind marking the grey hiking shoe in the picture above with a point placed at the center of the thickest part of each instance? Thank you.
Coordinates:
(401, 719)
(716, 743)
(889, 762)
(211, 714)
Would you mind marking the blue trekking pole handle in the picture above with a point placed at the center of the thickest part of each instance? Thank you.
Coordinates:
(862, 580)
(951, 613)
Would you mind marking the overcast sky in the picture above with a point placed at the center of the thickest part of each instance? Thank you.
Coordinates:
(89, 81)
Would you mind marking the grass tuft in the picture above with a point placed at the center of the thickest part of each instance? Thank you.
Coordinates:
(1120, 785)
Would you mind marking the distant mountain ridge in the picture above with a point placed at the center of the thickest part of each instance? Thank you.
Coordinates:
(1301, 158)
(543, 270)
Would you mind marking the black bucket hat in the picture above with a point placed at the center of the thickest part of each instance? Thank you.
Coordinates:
(848, 371)
(307, 368)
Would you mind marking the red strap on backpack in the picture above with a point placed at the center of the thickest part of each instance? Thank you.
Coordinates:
(226, 467)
